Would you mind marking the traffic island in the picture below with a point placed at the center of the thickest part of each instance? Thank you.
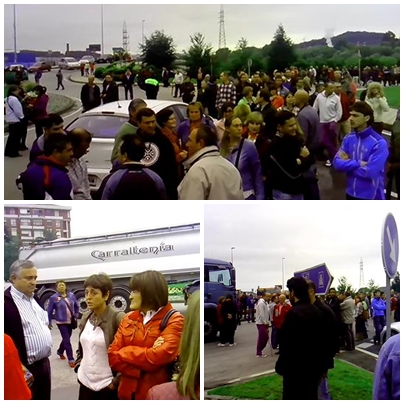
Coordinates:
(345, 381)
(58, 104)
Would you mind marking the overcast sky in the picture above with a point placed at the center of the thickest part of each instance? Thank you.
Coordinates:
(93, 218)
(50, 27)
(304, 234)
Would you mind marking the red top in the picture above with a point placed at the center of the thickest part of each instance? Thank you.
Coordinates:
(393, 303)
(15, 387)
(280, 314)
(219, 313)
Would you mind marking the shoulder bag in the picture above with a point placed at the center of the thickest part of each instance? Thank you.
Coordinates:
(74, 319)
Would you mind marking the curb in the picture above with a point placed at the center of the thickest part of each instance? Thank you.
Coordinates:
(207, 397)
(59, 112)
(96, 81)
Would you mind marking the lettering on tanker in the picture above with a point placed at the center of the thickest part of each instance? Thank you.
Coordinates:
(103, 255)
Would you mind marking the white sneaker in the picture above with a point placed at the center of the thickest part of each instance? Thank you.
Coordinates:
(232, 344)
(221, 344)
(328, 163)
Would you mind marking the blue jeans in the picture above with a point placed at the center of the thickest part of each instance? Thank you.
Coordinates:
(379, 322)
(65, 345)
(280, 196)
(323, 393)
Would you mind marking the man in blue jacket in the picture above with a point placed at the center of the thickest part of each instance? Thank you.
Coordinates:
(47, 177)
(363, 156)
(387, 373)
(379, 312)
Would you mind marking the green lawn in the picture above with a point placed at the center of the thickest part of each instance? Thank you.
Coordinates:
(346, 382)
(392, 94)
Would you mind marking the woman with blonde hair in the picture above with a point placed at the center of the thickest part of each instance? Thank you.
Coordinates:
(254, 124)
(243, 154)
(187, 385)
(376, 99)
(242, 111)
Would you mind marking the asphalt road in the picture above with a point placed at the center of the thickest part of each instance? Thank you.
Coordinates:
(225, 365)
(331, 183)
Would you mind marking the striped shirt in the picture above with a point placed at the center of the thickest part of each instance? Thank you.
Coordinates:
(34, 320)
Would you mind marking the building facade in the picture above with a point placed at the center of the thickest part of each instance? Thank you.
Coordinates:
(27, 222)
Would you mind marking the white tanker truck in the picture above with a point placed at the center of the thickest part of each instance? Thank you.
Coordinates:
(173, 251)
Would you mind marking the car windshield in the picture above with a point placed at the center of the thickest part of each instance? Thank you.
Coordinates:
(101, 127)
(70, 59)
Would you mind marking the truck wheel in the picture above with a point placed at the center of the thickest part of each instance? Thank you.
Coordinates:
(45, 300)
(210, 330)
(81, 301)
(120, 300)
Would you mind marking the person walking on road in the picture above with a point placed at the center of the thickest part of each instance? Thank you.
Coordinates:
(301, 343)
(40, 110)
(38, 76)
(26, 322)
(97, 330)
(250, 308)
(379, 316)
(348, 317)
(128, 81)
(386, 385)
(59, 76)
(262, 323)
(280, 312)
(178, 81)
(90, 95)
(229, 314)
(66, 309)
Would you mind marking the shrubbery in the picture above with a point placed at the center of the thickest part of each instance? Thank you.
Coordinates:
(116, 70)
(26, 85)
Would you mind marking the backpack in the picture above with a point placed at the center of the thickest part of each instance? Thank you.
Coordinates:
(173, 367)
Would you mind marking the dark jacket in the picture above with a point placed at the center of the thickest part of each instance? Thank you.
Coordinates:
(301, 341)
(128, 81)
(335, 306)
(330, 334)
(286, 173)
(186, 91)
(132, 182)
(46, 176)
(111, 94)
(58, 304)
(229, 313)
(269, 115)
(37, 148)
(85, 97)
(109, 324)
(310, 123)
(160, 158)
(13, 325)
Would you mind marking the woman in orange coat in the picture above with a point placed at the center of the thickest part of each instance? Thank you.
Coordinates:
(142, 352)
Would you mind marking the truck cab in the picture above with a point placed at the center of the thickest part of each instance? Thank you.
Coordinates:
(219, 280)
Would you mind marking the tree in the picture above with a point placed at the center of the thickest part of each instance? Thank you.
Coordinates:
(395, 285)
(159, 50)
(344, 286)
(11, 252)
(371, 286)
(281, 52)
(48, 235)
(198, 55)
(242, 44)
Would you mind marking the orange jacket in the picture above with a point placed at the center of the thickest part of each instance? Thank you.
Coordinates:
(132, 353)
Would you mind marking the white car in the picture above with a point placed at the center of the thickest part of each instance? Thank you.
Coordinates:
(87, 59)
(69, 63)
(104, 123)
(395, 329)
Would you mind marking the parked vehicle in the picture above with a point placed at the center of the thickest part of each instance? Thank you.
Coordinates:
(219, 280)
(44, 66)
(174, 251)
(69, 63)
(87, 59)
(395, 329)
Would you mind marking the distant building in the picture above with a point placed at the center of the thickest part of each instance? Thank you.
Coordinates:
(27, 222)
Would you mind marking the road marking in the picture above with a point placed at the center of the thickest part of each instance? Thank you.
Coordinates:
(367, 353)
(63, 116)
(364, 345)
(251, 376)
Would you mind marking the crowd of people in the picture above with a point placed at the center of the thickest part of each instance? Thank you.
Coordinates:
(152, 352)
(268, 140)
(323, 325)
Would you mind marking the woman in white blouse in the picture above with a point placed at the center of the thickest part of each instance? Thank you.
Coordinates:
(376, 99)
(97, 331)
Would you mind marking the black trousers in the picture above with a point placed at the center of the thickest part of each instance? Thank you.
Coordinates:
(393, 174)
(349, 337)
(39, 128)
(300, 388)
(227, 332)
(41, 387)
(130, 90)
(15, 135)
(177, 90)
(60, 83)
(105, 394)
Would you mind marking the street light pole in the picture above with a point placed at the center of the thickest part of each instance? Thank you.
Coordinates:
(283, 275)
(102, 30)
(15, 35)
(231, 250)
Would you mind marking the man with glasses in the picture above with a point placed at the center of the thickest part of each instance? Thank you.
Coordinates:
(27, 324)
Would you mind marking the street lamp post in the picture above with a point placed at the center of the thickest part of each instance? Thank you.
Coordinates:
(283, 275)
(231, 250)
(15, 35)
(102, 30)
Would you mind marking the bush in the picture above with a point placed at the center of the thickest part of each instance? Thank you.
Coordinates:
(116, 70)
(27, 86)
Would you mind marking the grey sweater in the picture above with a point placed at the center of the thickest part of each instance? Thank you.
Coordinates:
(348, 310)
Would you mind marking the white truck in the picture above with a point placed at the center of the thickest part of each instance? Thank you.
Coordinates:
(173, 251)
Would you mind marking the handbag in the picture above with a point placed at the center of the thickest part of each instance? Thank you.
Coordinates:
(74, 319)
